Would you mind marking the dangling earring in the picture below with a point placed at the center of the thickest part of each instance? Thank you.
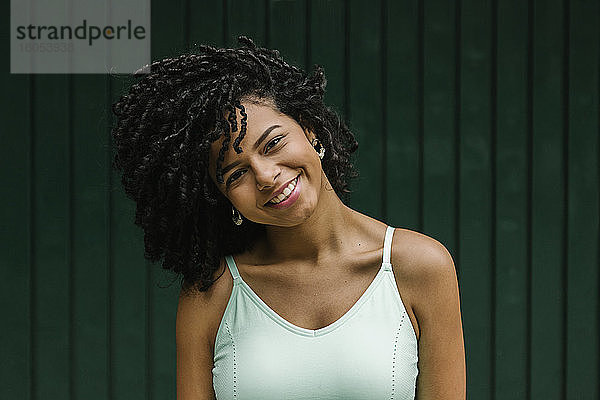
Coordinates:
(237, 217)
(321, 151)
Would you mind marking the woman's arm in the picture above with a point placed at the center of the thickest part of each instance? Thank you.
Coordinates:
(194, 353)
(434, 295)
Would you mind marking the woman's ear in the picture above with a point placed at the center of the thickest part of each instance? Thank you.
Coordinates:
(310, 135)
(308, 132)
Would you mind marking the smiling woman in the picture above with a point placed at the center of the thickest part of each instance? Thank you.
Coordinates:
(232, 153)
(278, 166)
(174, 119)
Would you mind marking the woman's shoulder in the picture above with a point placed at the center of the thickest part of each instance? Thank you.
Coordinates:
(420, 253)
(418, 256)
(420, 263)
(201, 312)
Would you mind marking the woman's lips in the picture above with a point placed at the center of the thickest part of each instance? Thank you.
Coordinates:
(291, 199)
(282, 189)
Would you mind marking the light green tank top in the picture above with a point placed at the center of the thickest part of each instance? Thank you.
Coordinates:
(368, 353)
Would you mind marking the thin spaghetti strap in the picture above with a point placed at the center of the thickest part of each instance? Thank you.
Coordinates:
(232, 267)
(387, 245)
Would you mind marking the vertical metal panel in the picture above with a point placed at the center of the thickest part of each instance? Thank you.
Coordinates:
(246, 17)
(548, 205)
(475, 190)
(287, 22)
(15, 229)
(365, 102)
(327, 48)
(439, 142)
(511, 200)
(206, 22)
(403, 133)
(91, 271)
(582, 334)
(51, 260)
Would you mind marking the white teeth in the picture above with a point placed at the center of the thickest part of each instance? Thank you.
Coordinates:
(286, 192)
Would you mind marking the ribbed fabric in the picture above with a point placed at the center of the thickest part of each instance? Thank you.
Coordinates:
(369, 353)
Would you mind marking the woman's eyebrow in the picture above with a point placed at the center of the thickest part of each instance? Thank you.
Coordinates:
(256, 144)
(264, 135)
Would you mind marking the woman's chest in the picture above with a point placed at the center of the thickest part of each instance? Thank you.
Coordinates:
(370, 352)
(311, 301)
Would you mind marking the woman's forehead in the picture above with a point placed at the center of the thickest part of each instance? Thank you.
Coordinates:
(259, 116)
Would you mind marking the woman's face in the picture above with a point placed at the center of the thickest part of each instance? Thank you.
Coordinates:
(276, 150)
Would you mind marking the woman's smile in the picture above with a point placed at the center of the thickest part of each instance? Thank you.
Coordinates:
(278, 170)
(290, 198)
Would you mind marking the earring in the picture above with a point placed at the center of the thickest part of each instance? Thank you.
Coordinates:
(236, 217)
(321, 151)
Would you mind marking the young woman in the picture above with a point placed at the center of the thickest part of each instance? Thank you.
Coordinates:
(240, 173)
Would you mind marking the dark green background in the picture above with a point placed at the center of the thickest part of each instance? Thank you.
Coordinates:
(478, 125)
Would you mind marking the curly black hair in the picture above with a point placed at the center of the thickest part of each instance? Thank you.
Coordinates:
(164, 129)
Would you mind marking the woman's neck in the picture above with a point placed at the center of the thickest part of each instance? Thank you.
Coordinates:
(320, 237)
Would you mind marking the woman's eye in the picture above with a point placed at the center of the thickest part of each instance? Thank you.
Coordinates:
(273, 143)
(269, 146)
(234, 176)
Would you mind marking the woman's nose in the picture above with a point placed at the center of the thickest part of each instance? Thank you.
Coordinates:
(266, 176)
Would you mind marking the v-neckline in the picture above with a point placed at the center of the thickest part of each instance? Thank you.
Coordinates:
(298, 329)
